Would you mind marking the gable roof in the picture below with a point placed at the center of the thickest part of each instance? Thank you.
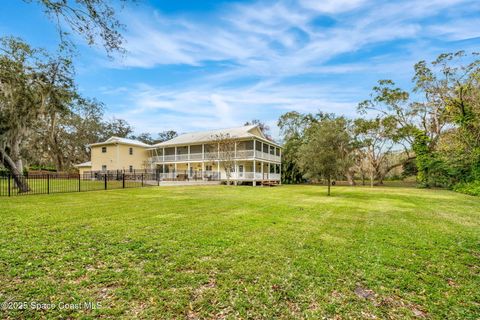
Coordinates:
(251, 131)
(84, 164)
(113, 140)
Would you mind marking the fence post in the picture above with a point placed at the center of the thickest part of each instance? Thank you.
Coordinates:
(105, 179)
(142, 179)
(79, 179)
(9, 184)
(123, 181)
(48, 183)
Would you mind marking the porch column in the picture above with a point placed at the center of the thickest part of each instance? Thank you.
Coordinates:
(188, 170)
(218, 168)
(175, 170)
(175, 158)
(203, 151)
(261, 163)
(254, 148)
(235, 150)
(280, 172)
(163, 170)
(188, 152)
(163, 154)
(236, 170)
(203, 169)
(269, 171)
(254, 169)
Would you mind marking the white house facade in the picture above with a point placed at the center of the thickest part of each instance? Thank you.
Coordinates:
(198, 156)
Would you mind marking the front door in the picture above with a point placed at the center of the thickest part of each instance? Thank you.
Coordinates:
(240, 171)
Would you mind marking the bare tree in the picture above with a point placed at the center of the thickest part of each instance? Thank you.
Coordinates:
(226, 153)
(94, 20)
(262, 126)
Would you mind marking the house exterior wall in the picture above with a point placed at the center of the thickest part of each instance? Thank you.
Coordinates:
(82, 170)
(245, 150)
(118, 157)
(251, 154)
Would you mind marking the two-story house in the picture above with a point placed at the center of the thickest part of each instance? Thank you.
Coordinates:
(116, 154)
(194, 156)
(255, 158)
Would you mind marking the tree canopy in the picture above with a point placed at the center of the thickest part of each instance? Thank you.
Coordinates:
(325, 151)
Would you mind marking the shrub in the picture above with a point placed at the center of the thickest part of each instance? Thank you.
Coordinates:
(471, 188)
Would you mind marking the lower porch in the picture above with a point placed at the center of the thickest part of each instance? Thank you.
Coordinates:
(242, 171)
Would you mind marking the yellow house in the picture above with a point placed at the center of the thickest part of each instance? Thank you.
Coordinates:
(118, 154)
(194, 156)
(84, 167)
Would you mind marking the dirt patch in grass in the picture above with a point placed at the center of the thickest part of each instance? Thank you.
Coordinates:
(390, 302)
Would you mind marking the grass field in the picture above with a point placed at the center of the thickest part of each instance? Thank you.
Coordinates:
(240, 252)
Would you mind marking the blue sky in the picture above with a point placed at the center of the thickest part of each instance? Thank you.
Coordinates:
(195, 65)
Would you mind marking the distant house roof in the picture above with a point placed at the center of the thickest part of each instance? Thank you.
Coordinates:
(85, 164)
(113, 140)
(251, 131)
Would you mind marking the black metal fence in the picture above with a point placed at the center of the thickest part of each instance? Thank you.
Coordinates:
(47, 183)
(174, 175)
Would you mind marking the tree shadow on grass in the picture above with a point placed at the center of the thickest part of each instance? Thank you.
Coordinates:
(377, 194)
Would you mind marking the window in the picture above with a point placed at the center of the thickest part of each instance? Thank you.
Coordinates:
(208, 168)
(130, 151)
(130, 168)
(104, 168)
(104, 149)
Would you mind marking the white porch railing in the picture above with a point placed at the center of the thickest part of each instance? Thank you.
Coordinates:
(251, 176)
(211, 155)
(169, 158)
(182, 175)
(244, 154)
(266, 156)
(195, 156)
(240, 154)
(181, 157)
(274, 176)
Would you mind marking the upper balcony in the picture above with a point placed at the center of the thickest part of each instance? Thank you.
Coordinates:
(244, 150)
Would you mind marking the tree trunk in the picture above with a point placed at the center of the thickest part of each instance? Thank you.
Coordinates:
(372, 179)
(19, 165)
(15, 156)
(329, 184)
(55, 147)
(59, 161)
(10, 165)
(381, 175)
(350, 177)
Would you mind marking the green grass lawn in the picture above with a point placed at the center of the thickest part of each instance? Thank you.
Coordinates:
(240, 252)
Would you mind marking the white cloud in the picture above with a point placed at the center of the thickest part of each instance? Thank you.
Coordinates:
(271, 43)
(275, 39)
(332, 6)
(463, 30)
(155, 109)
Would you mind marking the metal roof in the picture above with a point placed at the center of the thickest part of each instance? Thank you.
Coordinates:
(85, 164)
(207, 136)
(113, 140)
